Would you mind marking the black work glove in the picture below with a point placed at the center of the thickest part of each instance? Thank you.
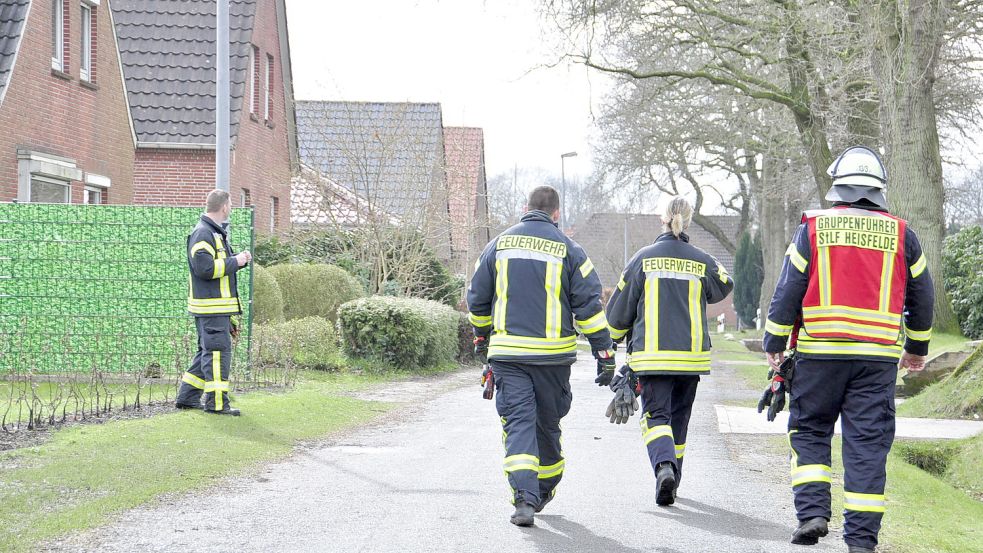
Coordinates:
(774, 395)
(624, 404)
(481, 349)
(605, 366)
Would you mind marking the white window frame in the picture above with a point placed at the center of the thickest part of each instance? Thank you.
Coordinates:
(89, 190)
(273, 205)
(67, 185)
(252, 78)
(58, 32)
(85, 57)
(32, 165)
(266, 87)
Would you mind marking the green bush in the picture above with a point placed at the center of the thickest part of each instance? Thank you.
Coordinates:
(267, 297)
(308, 343)
(314, 290)
(465, 339)
(963, 278)
(748, 277)
(399, 333)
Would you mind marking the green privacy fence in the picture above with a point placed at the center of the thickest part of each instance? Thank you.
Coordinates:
(102, 290)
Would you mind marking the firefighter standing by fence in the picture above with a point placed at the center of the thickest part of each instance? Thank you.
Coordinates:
(855, 279)
(660, 302)
(532, 290)
(213, 300)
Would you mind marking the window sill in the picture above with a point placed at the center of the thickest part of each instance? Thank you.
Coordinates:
(61, 74)
(88, 84)
(254, 117)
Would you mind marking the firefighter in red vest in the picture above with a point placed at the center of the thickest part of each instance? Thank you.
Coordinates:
(856, 288)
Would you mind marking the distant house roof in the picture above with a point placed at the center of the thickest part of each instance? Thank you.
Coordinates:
(389, 153)
(168, 52)
(464, 152)
(603, 237)
(13, 14)
(318, 200)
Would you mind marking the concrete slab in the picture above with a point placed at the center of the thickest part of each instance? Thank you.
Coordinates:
(746, 420)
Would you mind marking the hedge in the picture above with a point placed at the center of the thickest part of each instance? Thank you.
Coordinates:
(399, 333)
(963, 278)
(308, 343)
(267, 297)
(314, 290)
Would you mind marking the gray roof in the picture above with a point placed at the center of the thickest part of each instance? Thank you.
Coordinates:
(603, 237)
(13, 13)
(168, 52)
(392, 154)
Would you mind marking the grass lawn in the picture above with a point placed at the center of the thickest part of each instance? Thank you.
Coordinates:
(86, 473)
(959, 395)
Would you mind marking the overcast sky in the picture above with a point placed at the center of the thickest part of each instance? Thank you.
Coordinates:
(478, 58)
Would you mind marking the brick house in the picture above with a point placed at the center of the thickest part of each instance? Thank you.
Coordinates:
(66, 131)
(604, 235)
(464, 152)
(167, 51)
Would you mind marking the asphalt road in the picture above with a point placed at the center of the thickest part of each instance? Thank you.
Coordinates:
(429, 478)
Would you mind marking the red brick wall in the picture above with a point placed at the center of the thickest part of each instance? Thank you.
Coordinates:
(47, 113)
(260, 161)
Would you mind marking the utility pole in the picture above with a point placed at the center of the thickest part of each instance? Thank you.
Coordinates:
(563, 189)
(222, 93)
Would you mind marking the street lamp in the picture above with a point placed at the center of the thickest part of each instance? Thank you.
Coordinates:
(563, 187)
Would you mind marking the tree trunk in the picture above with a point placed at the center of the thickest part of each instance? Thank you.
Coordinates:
(771, 196)
(907, 38)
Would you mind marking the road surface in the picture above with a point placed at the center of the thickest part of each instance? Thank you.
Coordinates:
(428, 478)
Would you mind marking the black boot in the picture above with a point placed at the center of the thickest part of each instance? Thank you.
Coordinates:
(227, 411)
(188, 406)
(524, 514)
(809, 531)
(665, 483)
(858, 549)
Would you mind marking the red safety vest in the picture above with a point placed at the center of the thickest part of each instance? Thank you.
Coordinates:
(857, 276)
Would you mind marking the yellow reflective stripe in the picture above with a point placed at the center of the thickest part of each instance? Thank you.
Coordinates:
(621, 283)
(649, 435)
(794, 456)
(480, 321)
(776, 329)
(218, 270)
(870, 315)
(617, 333)
(919, 266)
(854, 328)
(505, 351)
(651, 314)
(811, 473)
(669, 366)
(193, 380)
(217, 378)
(533, 341)
(201, 246)
(594, 324)
(824, 284)
(695, 315)
(810, 346)
(920, 335)
(722, 274)
(552, 471)
(513, 463)
(671, 355)
(887, 273)
(680, 450)
(213, 302)
(553, 305)
(865, 502)
(586, 268)
(501, 292)
(219, 310)
(796, 258)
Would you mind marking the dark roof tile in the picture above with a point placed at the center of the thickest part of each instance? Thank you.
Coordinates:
(13, 14)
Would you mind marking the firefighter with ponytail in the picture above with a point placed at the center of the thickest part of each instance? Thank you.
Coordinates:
(856, 292)
(660, 306)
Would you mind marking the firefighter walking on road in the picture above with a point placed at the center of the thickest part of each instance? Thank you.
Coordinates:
(855, 280)
(213, 301)
(660, 306)
(533, 289)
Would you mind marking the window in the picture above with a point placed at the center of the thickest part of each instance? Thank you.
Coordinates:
(268, 86)
(254, 79)
(244, 198)
(58, 35)
(274, 208)
(85, 60)
(93, 195)
(45, 190)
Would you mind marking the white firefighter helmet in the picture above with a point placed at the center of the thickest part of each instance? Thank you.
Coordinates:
(858, 174)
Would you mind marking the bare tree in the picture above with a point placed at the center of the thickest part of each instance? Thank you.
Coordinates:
(964, 201)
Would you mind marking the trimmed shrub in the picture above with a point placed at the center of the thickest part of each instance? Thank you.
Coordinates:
(267, 298)
(400, 333)
(314, 290)
(963, 278)
(748, 277)
(308, 343)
